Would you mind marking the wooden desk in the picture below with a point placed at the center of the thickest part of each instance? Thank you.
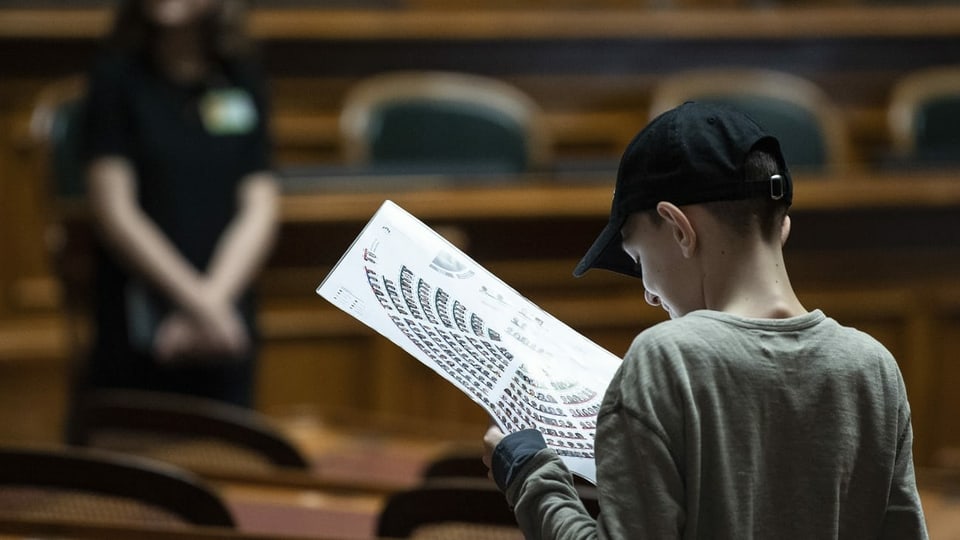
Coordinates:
(438, 197)
(292, 511)
(874, 212)
(524, 219)
(341, 199)
(319, 23)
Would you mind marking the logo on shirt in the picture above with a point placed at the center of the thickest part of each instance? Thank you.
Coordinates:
(228, 111)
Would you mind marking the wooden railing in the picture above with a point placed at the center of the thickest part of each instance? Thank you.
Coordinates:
(532, 22)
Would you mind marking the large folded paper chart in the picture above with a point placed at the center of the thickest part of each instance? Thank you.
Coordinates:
(526, 368)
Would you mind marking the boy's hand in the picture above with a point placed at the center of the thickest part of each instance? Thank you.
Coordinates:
(491, 439)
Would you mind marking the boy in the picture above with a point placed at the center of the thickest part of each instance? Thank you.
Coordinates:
(745, 415)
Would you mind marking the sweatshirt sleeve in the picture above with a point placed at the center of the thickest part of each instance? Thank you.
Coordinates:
(640, 489)
(546, 502)
(643, 493)
(904, 517)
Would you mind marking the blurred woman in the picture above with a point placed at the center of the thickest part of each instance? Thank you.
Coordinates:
(181, 189)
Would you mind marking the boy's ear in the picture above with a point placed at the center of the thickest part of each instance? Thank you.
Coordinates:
(683, 231)
(784, 230)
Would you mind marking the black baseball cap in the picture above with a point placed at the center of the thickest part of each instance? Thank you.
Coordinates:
(691, 154)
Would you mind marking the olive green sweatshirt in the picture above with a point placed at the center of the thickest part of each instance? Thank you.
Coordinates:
(720, 427)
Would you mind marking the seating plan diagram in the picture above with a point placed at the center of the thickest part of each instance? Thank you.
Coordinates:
(524, 367)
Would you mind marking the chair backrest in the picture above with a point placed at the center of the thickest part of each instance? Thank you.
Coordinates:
(192, 432)
(56, 127)
(57, 124)
(463, 464)
(457, 507)
(95, 486)
(923, 116)
(808, 125)
(444, 120)
(460, 501)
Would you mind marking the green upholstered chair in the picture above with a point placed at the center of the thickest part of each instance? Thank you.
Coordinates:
(924, 117)
(56, 126)
(809, 126)
(56, 123)
(443, 121)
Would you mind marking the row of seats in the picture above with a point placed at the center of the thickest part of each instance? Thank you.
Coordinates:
(146, 459)
(405, 118)
(133, 457)
(409, 121)
(97, 491)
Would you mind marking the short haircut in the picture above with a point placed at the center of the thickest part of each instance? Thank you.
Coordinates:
(756, 213)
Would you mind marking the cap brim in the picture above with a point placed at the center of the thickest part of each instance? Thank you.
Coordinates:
(607, 253)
